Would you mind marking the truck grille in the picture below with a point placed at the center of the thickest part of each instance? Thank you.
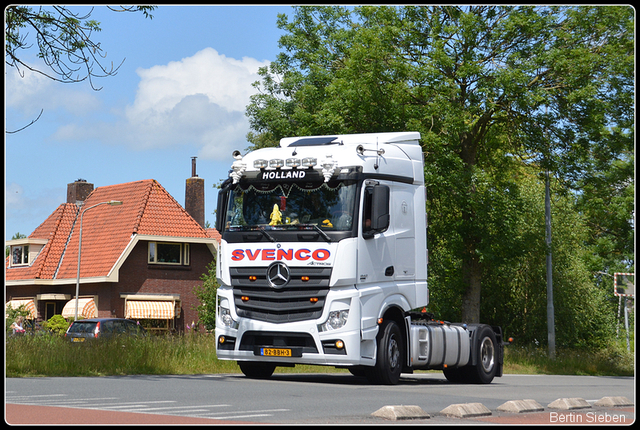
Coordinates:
(298, 300)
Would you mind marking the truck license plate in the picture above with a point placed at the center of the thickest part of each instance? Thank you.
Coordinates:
(275, 352)
(78, 339)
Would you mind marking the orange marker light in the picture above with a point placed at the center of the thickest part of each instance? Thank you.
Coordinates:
(313, 300)
(245, 298)
(304, 278)
(252, 278)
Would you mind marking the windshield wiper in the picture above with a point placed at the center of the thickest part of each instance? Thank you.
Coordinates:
(322, 233)
(267, 235)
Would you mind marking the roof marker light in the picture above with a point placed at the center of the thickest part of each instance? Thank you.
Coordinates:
(260, 163)
(309, 161)
(293, 162)
(276, 163)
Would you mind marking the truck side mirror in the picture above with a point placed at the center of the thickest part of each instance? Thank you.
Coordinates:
(376, 210)
(221, 208)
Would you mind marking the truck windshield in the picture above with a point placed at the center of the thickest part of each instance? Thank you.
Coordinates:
(327, 206)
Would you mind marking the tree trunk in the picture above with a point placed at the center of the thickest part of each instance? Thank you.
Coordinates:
(472, 275)
(471, 265)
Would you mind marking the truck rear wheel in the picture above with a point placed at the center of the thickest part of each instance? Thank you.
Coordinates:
(255, 370)
(456, 374)
(389, 356)
(487, 364)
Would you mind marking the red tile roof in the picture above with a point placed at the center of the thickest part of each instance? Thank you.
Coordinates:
(147, 209)
(212, 232)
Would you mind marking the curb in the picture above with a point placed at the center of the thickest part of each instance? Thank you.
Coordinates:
(466, 410)
(401, 412)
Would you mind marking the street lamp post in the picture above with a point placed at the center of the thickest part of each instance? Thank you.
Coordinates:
(110, 203)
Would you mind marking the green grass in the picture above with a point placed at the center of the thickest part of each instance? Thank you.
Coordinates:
(48, 355)
(56, 356)
(612, 361)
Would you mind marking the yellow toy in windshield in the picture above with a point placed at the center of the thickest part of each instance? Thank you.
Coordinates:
(276, 215)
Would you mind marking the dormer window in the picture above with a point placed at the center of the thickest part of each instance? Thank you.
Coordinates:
(24, 251)
(20, 255)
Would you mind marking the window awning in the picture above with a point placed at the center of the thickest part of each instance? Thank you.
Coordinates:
(86, 308)
(29, 304)
(150, 309)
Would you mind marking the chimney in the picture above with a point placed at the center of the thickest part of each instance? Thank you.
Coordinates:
(194, 195)
(78, 191)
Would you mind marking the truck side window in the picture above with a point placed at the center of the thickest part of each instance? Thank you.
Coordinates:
(375, 210)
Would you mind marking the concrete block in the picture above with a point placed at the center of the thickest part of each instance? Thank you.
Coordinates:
(521, 406)
(614, 401)
(569, 403)
(466, 410)
(401, 412)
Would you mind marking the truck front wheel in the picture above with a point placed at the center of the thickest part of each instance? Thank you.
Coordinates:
(389, 356)
(255, 370)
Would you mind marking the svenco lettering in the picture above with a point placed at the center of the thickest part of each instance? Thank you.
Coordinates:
(284, 174)
(280, 254)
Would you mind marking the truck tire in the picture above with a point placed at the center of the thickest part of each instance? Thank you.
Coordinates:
(456, 374)
(255, 370)
(389, 358)
(487, 364)
(357, 371)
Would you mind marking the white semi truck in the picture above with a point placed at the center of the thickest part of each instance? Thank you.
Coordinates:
(323, 260)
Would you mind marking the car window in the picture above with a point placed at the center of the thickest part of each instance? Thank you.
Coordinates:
(83, 327)
(119, 327)
(106, 327)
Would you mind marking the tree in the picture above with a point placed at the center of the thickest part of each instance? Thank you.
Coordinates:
(64, 39)
(207, 295)
(489, 88)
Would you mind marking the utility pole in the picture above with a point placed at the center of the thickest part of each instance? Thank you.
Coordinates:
(551, 328)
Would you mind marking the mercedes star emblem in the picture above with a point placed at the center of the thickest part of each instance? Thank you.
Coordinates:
(278, 275)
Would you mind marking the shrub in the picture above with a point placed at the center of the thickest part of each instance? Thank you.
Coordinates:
(57, 324)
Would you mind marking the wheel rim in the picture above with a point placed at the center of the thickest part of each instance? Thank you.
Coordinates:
(393, 352)
(487, 354)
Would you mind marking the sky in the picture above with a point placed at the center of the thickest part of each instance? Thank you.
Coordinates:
(180, 93)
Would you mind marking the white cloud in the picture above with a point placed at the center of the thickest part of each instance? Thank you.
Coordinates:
(28, 92)
(199, 100)
(226, 81)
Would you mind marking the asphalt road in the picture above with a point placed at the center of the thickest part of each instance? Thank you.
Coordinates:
(293, 398)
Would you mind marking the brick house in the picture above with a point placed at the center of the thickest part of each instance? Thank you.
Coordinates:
(140, 259)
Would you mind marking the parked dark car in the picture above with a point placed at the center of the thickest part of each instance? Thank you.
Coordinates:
(101, 328)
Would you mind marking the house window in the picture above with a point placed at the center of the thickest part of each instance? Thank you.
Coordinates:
(20, 255)
(168, 253)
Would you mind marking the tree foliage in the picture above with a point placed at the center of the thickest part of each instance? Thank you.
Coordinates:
(499, 95)
(64, 39)
(207, 295)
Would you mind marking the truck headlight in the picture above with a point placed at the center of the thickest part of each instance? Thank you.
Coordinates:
(336, 320)
(225, 319)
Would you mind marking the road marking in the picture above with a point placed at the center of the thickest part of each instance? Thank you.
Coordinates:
(37, 395)
(241, 416)
(194, 411)
(218, 415)
(181, 407)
